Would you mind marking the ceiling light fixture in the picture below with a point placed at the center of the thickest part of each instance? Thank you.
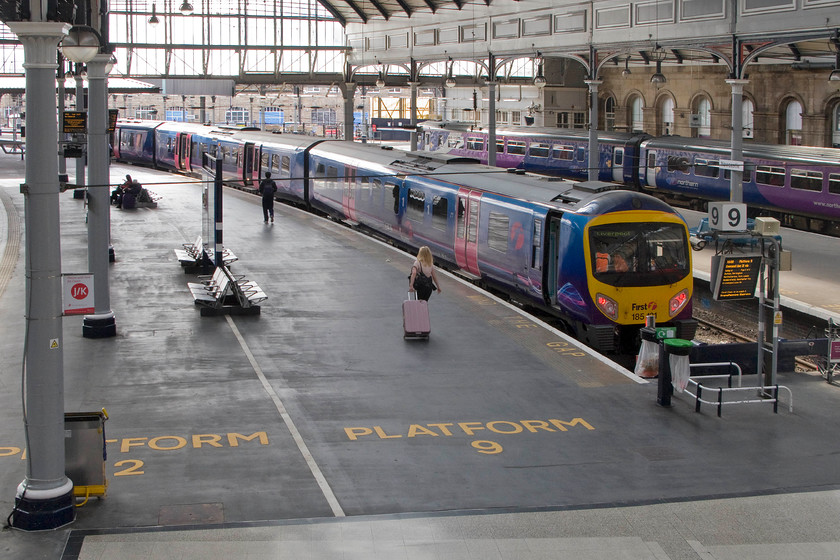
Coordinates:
(539, 79)
(186, 8)
(450, 79)
(153, 20)
(626, 72)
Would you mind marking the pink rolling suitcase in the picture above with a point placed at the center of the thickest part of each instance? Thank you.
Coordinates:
(416, 322)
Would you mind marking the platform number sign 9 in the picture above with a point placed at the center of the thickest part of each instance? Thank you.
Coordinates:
(728, 216)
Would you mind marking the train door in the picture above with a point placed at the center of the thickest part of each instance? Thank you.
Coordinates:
(248, 163)
(466, 231)
(618, 164)
(182, 151)
(349, 192)
(650, 168)
(551, 251)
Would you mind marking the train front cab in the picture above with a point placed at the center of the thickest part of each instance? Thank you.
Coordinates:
(638, 264)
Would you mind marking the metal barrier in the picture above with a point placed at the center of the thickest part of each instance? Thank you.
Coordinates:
(766, 393)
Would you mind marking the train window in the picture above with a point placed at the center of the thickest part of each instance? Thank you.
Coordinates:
(455, 141)
(170, 146)
(285, 166)
(581, 154)
(834, 183)
(332, 174)
(805, 180)
(460, 220)
(745, 178)
(265, 161)
(678, 163)
(394, 190)
(516, 147)
(500, 145)
(639, 253)
(472, 231)
(475, 144)
(706, 168)
(416, 205)
(618, 158)
(498, 229)
(320, 170)
(562, 152)
(440, 211)
(275, 163)
(538, 150)
(651, 160)
(536, 247)
(768, 175)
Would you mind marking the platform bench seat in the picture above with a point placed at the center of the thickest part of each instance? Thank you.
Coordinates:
(212, 291)
(191, 253)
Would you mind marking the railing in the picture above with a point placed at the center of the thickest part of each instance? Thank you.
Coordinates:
(765, 394)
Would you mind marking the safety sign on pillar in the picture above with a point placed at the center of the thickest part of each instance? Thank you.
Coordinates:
(77, 294)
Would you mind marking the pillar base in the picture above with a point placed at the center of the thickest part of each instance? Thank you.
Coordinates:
(103, 325)
(45, 513)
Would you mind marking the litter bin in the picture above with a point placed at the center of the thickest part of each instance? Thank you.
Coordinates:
(85, 453)
(673, 355)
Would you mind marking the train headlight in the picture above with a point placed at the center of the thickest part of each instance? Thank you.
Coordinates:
(608, 306)
(677, 302)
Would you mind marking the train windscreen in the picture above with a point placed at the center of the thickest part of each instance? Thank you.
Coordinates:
(639, 253)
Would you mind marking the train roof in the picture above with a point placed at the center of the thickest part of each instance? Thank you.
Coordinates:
(768, 151)
(546, 133)
(552, 192)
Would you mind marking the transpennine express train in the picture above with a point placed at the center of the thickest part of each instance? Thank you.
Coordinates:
(792, 183)
(597, 257)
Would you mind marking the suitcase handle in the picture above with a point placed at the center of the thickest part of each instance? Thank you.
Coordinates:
(412, 294)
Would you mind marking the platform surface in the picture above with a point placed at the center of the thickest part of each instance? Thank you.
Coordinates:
(315, 431)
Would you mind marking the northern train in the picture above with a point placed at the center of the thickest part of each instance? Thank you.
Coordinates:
(545, 243)
(796, 184)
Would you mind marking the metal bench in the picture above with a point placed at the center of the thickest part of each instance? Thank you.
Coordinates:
(195, 255)
(226, 293)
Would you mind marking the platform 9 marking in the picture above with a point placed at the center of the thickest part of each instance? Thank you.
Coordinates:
(132, 469)
(487, 447)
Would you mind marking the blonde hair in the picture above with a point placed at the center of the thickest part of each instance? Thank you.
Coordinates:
(424, 255)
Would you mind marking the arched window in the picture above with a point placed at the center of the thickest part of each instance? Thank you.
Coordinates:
(835, 127)
(793, 124)
(704, 113)
(667, 116)
(637, 122)
(609, 113)
(748, 120)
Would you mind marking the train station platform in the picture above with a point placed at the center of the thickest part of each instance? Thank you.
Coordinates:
(313, 430)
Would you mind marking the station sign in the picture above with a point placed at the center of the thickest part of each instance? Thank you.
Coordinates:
(731, 165)
(77, 294)
(734, 277)
(113, 115)
(74, 122)
(728, 216)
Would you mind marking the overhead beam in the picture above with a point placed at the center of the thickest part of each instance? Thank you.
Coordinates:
(405, 7)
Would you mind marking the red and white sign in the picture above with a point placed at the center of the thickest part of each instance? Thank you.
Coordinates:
(78, 294)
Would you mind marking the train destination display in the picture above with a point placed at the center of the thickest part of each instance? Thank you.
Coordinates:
(734, 277)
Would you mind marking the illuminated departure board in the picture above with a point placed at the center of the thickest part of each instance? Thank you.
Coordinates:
(74, 122)
(734, 277)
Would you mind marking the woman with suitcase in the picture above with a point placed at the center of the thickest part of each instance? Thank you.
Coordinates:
(423, 279)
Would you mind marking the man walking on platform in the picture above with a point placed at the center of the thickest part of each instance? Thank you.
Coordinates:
(267, 189)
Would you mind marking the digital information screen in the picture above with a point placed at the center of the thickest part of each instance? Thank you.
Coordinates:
(734, 277)
(74, 122)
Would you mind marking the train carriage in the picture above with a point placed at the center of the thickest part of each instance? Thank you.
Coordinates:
(804, 181)
(546, 243)
(134, 142)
